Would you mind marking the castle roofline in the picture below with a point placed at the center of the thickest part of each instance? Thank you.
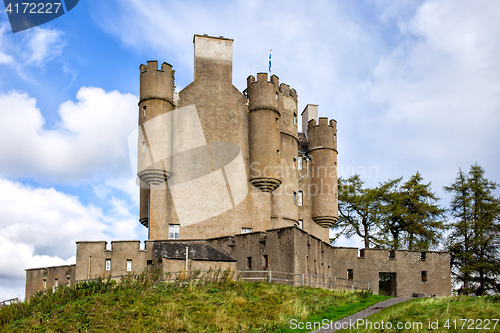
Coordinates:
(47, 267)
(207, 36)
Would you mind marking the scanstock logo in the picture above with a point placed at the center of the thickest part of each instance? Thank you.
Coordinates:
(205, 180)
(27, 14)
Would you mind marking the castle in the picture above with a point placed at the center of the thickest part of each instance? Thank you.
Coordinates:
(227, 180)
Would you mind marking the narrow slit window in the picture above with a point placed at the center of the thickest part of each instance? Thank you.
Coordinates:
(129, 265)
(144, 111)
(300, 198)
(44, 284)
(265, 263)
(299, 163)
(350, 274)
(295, 197)
(143, 147)
(300, 224)
(295, 119)
(249, 262)
(56, 282)
(108, 264)
(424, 276)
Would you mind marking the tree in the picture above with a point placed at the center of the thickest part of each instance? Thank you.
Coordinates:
(475, 232)
(460, 239)
(359, 210)
(411, 214)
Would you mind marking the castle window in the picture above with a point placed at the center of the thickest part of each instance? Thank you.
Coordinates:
(424, 276)
(295, 119)
(299, 199)
(246, 230)
(294, 197)
(423, 255)
(294, 163)
(129, 265)
(144, 111)
(108, 264)
(300, 224)
(174, 231)
(299, 163)
(249, 262)
(277, 123)
(68, 281)
(143, 148)
(44, 284)
(265, 262)
(276, 96)
(56, 283)
(350, 274)
(392, 254)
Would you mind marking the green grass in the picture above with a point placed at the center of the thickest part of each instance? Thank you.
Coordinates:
(192, 305)
(439, 312)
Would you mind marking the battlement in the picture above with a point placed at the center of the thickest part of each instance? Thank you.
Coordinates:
(263, 94)
(152, 65)
(322, 134)
(157, 84)
(286, 91)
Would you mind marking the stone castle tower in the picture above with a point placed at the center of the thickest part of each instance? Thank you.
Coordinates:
(214, 161)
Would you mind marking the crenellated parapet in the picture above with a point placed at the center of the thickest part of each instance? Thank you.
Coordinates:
(263, 94)
(322, 135)
(157, 84)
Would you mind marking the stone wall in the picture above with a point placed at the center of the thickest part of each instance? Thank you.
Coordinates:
(290, 250)
(38, 279)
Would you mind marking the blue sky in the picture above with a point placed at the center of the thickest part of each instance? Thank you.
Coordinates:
(413, 85)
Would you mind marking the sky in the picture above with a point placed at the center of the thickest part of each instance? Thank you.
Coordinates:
(413, 85)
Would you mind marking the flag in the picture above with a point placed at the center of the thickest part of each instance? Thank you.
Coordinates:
(270, 66)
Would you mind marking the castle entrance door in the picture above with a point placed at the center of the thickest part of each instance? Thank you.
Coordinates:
(387, 284)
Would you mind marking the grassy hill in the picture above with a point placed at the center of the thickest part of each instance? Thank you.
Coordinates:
(210, 303)
(448, 314)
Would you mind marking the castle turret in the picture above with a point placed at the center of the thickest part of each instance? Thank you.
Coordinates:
(264, 132)
(323, 187)
(156, 102)
(284, 211)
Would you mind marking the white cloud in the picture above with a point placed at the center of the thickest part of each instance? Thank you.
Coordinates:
(29, 52)
(43, 45)
(90, 140)
(438, 91)
(39, 227)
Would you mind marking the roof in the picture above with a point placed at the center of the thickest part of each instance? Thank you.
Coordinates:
(197, 251)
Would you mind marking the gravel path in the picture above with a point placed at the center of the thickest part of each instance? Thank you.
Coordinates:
(360, 315)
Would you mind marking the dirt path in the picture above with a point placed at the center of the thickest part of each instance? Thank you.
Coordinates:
(345, 322)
